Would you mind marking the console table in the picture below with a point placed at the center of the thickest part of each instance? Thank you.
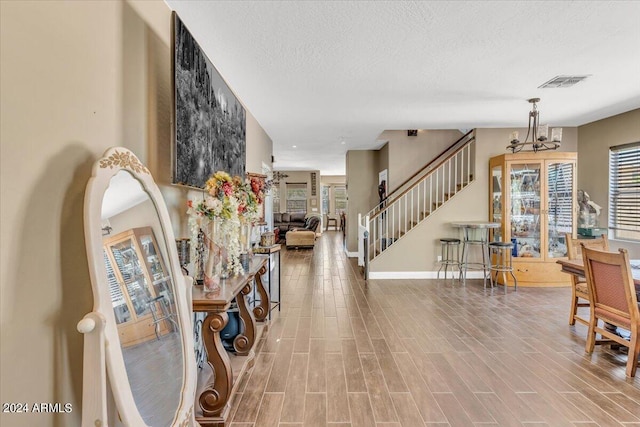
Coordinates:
(273, 254)
(215, 397)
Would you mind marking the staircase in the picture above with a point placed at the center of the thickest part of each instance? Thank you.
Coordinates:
(416, 199)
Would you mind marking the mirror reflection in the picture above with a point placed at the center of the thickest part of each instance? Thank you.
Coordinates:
(141, 289)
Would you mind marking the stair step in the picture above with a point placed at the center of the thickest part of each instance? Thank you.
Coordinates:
(465, 183)
(377, 248)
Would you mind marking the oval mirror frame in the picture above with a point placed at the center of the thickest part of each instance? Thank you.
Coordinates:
(102, 350)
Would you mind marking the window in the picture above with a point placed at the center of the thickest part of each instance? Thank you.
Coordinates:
(624, 191)
(325, 199)
(334, 199)
(275, 192)
(296, 197)
(340, 196)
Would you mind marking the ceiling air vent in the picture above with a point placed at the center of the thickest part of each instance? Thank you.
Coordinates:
(562, 81)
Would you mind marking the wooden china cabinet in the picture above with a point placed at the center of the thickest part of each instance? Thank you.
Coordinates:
(139, 285)
(533, 197)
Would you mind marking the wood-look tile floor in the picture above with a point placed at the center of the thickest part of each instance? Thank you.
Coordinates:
(409, 353)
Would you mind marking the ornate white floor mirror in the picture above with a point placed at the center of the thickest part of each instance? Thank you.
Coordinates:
(139, 364)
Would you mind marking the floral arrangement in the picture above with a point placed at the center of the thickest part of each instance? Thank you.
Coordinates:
(230, 202)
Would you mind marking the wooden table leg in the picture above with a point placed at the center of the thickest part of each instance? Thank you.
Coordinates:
(216, 396)
(261, 311)
(243, 343)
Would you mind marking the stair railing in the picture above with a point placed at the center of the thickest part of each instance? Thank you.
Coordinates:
(419, 175)
(395, 219)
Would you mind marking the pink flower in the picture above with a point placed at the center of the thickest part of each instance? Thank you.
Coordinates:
(227, 188)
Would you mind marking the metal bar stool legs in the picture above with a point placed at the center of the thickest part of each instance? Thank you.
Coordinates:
(447, 257)
(502, 263)
(470, 241)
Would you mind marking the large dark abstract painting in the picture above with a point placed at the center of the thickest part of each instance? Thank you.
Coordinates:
(210, 122)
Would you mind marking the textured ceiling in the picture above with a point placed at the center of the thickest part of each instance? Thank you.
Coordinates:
(317, 73)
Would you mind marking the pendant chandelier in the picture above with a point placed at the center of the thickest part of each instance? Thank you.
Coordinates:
(539, 134)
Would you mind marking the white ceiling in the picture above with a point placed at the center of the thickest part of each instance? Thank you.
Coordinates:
(124, 192)
(317, 73)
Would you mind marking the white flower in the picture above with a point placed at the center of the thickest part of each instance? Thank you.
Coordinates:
(213, 204)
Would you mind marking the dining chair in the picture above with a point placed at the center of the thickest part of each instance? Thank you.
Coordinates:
(579, 288)
(613, 300)
(332, 219)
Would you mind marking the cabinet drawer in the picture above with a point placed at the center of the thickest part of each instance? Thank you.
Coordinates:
(538, 274)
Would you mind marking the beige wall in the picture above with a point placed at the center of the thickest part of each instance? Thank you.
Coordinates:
(76, 78)
(333, 179)
(362, 188)
(593, 161)
(402, 156)
(297, 177)
(417, 251)
(383, 160)
(407, 154)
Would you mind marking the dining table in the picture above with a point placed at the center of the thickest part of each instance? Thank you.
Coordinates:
(576, 267)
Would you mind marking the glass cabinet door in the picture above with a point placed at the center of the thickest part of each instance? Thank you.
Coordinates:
(156, 267)
(525, 209)
(560, 206)
(128, 264)
(120, 307)
(496, 202)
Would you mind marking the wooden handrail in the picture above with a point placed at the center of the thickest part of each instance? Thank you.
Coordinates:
(429, 164)
(438, 163)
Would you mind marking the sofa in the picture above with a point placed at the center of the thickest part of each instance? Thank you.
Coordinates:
(303, 236)
(284, 222)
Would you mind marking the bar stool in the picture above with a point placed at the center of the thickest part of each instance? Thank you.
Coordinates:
(502, 262)
(165, 314)
(472, 240)
(447, 259)
(332, 220)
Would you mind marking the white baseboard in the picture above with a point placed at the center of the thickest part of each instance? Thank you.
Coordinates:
(351, 254)
(381, 275)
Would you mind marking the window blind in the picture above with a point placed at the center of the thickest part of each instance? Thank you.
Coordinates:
(296, 197)
(561, 197)
(624, 191)
(340, 192)
(114, 287)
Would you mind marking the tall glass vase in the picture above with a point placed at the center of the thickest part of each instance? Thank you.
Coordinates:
(213, 263)
(245, 245)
